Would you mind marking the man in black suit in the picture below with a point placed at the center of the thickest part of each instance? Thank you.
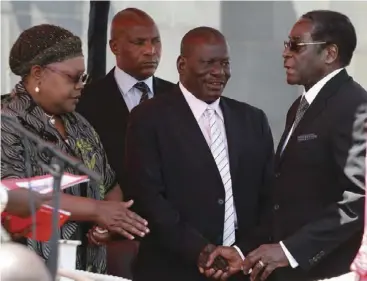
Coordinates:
(198, 166)
(318, 199)
(106, 103)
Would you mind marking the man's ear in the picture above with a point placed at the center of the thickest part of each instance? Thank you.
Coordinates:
(330, 54)
(181, 64)
(113, 47)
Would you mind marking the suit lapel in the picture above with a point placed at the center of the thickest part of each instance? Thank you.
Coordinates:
(157, 86)
(289, 122)
(189, 133)
(114, 99)
(233, 141)
(316, 107)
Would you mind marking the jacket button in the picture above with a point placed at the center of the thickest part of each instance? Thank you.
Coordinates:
(276, 207)
(277, 175)
(220, 201)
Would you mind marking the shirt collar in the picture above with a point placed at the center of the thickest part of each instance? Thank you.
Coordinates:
(126, 82)
(311, 94)
(198, 106)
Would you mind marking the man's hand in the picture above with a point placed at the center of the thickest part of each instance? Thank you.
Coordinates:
(233, 258)
(264, 260)
(217, 267)
(117, 218)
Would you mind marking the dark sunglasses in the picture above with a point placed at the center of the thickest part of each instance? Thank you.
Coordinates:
(82, 78)
(295, 46)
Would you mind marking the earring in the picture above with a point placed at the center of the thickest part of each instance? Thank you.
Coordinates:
(37, 89)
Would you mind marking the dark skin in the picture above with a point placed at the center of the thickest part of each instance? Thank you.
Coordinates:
(18, 201)
(204, 70)
(306, 65)
(136, 43)
(204, 65)
(310, 63)
(233, 258)
(60, 85)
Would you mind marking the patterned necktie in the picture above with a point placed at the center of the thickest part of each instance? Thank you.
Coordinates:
(219, 153)
(303, 105)
(144, 89)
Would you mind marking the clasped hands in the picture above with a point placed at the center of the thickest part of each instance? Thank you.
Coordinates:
(222, 262)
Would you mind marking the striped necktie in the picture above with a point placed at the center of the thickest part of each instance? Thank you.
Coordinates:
(302, 107)
(219, 153)
(144, 89)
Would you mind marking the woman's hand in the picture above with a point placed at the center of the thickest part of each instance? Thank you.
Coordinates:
(116, 217)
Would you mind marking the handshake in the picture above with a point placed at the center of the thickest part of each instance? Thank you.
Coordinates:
(220, 262)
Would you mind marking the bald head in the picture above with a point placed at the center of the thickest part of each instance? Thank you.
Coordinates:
(198, 36)
(128, 18)
(203, 65)
(136, 43)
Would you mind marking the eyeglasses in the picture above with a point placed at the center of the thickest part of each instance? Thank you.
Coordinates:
(296, 46)
(82, 78)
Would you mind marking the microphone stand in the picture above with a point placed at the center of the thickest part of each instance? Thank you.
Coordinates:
(56, 169)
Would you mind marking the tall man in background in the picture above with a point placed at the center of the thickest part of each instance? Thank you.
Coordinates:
(106, 103)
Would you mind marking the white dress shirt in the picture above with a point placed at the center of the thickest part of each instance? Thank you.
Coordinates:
(198, 108)
(126, 83)
(310, 96)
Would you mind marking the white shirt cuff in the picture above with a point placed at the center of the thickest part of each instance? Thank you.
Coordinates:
(293, 263)
(239, 252)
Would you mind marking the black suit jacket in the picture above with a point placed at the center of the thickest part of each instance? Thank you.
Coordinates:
(318, 197)
(104, 107)
(177, 187)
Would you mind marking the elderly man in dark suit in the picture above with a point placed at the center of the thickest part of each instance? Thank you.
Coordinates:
(318, 196)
